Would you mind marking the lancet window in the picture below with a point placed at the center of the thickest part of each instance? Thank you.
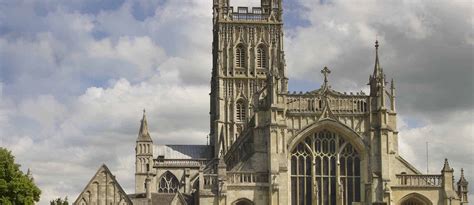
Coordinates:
(316, 174)
(168, 183)
(240, 56)
(261, 57)
(240, 111)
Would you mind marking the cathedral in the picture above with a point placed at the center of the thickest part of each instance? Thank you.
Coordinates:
(271, 146)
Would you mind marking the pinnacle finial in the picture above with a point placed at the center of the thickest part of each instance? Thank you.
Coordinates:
(377, 69)
(462, 179)
(446, 167)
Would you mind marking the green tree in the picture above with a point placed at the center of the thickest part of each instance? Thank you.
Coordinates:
(59, 201)
(16, 188)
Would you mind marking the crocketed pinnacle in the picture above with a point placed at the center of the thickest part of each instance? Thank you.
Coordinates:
(377, 68)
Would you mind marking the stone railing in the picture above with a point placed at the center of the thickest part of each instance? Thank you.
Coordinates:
(180, 162)
(243, 14)
(242, 178)
(210, 180)
(301, 103)
(408, 180)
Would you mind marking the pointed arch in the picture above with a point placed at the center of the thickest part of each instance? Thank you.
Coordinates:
(242, 201)
(240, 110)
(332, 125)
(240, 55)
(262, 57)
(415, 199)
(168, 183)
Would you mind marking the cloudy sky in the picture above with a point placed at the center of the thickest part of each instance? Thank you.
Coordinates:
(75, 75)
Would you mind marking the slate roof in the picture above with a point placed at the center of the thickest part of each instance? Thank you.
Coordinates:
(183, 151)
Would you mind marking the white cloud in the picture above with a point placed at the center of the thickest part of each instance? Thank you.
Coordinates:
(74, 81)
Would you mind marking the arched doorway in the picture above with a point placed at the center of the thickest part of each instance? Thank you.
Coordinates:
(325, 169)
(242, 201)
(415, 199)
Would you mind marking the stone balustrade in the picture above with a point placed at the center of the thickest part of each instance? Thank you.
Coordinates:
(310, 103)
(407, 180)
(210, 180)
(245, 14)
(235, 178)
(180, 162)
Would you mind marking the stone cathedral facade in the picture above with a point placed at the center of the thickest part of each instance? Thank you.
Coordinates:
(270, 146)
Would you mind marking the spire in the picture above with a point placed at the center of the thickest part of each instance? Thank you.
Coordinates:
(377, 68)
(143, 134)
(446, 167)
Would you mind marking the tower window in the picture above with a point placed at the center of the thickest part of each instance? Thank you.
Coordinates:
(261, 57)
(240, 56)
(240, 111)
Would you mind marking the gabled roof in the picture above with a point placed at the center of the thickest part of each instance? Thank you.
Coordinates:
(104, 168)
(183, 151)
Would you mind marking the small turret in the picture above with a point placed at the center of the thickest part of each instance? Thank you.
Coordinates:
(448, 182)
(462, 188)
(143, 156)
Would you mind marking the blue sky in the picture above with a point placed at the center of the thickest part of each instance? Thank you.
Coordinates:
(75, 75)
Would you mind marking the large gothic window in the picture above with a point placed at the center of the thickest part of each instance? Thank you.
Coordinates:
(261, 57)
(168, 183)
(240, 56)
(240, 111)
(316, 175)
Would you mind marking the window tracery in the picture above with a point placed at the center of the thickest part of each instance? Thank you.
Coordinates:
(168, 183)
(316, 175)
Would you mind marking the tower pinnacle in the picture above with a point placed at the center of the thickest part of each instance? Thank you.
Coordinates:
(143, 134)
(377, 68)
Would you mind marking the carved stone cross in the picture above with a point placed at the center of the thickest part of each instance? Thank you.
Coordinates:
(325, 72)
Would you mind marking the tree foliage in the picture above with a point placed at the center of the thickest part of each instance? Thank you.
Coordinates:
(59, 201)
(15, 187)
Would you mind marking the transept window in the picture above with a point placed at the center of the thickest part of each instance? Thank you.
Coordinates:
(316, 175)
(240, 56)
(261, 57)
(168, 183)
(240, 111)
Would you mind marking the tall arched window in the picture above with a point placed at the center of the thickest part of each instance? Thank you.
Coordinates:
(315, 174)
(240, 56)
(261, 57)
(240, 110)
(168, 183)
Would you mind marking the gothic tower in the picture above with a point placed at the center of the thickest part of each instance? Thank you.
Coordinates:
(383, 132)
(143, 157)
(247, 46)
